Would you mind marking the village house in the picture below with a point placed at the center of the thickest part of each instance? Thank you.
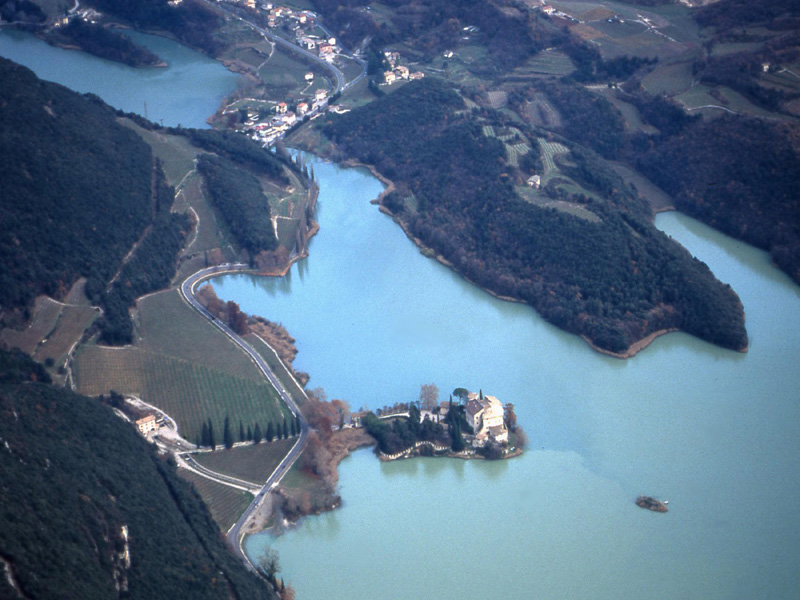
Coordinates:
(281, 108)
(289, 119)
(309, 76)
(147, 424)
(485, 415)
(389, 77)
(548, 10)
(302, 109)
(417, 75)
(535, 181)
(401, 71)
(320, 95)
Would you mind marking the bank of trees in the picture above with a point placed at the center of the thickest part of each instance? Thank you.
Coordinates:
(241, 203)
(103, 42)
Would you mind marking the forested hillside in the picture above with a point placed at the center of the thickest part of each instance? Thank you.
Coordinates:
(88, 510)
(76, 190)
(611, 277)
(738, 175)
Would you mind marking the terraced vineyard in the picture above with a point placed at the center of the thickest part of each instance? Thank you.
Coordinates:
(225, 503)
(254, 462)
(549, 150)
(516, 151)
(189, 392)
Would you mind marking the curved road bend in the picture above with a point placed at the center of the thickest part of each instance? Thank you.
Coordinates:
(187, 290)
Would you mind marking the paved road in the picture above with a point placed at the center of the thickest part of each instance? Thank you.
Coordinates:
(187, 291)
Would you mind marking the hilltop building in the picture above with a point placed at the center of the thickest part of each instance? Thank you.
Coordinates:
(147, 424)
(485, 415)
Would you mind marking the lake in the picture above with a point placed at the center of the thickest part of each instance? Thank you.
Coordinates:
(714, 431)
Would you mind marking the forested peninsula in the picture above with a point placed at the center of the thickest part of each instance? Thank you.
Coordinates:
(603, 272)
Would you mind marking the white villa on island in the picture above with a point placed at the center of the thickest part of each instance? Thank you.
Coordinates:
(485, 416)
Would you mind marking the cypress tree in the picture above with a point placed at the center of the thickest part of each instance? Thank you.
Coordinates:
(204, 435)
(257, 434)
(299, 424)
(270, 431)
(294, 428)
(285, 429)
(227, 434)
(241, 431)
(249, 434)
(211, 441)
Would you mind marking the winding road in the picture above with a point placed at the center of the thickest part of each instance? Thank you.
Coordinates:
(187, 290)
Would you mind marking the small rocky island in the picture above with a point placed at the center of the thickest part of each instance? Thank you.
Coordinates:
(471, 426)
(651, 503)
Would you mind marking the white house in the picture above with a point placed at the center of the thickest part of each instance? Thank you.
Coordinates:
(535, 181)
(147, 424)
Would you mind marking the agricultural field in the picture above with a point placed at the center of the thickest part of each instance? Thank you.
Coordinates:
(277, 366)
(657, 198)
(45, 317)
(515, 151)
(72, 322)
(190, 393)
(630, 114)
(544, 64)
(252, 462)
(225, 503)
(167, 325)
(192, 200)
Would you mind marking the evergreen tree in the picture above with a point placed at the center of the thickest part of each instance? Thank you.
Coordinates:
(270, 431)
(241, 431)
(211, 441)
(227, 434)
(249, 434)
(204, 435)
(257, 434)
(294, 428)
(299, 424)
(285, 429)
(458, 443)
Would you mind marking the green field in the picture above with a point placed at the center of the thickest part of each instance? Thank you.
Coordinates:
(188, 392)
(225, 503)
(167, 325)
(72, 322)
(206, 236)
(670, 79)
(175, 151)
(547, 62)
(515, 151)
(253, 463)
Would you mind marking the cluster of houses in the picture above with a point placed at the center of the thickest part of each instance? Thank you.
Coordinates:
(266, 131)
(88, 15)
(397, 72)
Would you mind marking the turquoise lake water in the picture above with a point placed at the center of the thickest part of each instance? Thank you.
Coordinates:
(715, 432)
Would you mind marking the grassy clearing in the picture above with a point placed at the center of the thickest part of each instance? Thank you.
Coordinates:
(225, 503)
(658, 199)
(188, 392)
(630, 114)
(670, 79)
(167, 325)
(175, 151)
(253, 463)
(45, 317)
(287, 231)
(547, 62)
(284, 76)
(541, 113)
(72, 322)
(77, 294)
(540, 199)
(206, 235)
(277, 366)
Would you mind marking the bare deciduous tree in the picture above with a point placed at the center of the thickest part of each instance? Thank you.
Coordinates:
(429, 396)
